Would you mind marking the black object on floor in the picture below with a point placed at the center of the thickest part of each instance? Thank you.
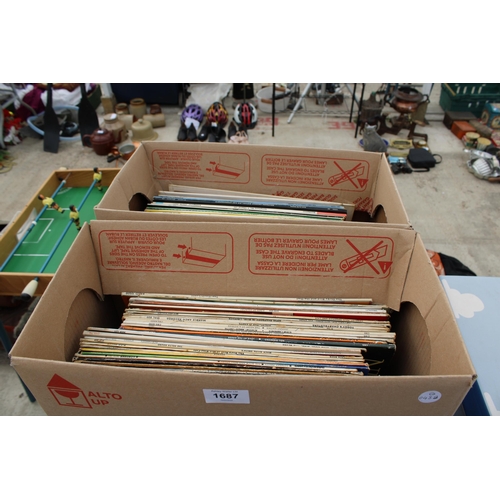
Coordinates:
(87, 117)
(221, 135)
(212, 136)
(51, 125)
(191, 133)
(422, 160)
(232, 130)
(204, 132)
(453, 267)
(243, 91)
(182, 135)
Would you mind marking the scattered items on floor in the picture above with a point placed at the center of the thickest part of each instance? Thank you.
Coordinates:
(217, 114)
(491, 115)
(482, 129)
(217, 133)
(470, 139)
(138, 107)
(191, 119)
(122, 107)
(126, 151)
(25, 316)
(100, 140)
(482, 143)
(204, 94)
(452, 116)
(371, 140)
(68, 124)
(216, 119)
(245, 116)
(204, 131)
(422, 160)
(484, 165)
(410, 104)
(116, 126)
(137, 110)
(399, 165)
(243, 91)
(371, 108)
(142, 130)
(127, 118)
(401, 144)
(87, 116)
(14, 314)
(6, 161)
(232, 130)
(122, 153)
(407, 156)
(11, 128)
(240, 137)
(34, 96)
(280, 96)
(399, 148)
(447, 265)
(477, 134)
(460, 128)
(51, 130)
(155, 116)
(155, 109)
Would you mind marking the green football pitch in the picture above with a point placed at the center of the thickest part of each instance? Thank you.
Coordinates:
(35, 251)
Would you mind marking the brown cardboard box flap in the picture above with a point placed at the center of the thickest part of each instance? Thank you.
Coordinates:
(357, 177)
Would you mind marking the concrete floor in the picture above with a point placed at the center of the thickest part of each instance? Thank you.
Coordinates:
(455, 212)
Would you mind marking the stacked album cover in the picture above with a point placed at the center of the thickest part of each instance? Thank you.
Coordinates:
(250, 335)
(195, 201)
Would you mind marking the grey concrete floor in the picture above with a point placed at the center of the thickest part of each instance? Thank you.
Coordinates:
(455, 212)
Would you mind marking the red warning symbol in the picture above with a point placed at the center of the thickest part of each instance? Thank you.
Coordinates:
(66, 393)
(370, 257)
(353, 175)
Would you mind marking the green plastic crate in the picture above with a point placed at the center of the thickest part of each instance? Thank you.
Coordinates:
(469, 97)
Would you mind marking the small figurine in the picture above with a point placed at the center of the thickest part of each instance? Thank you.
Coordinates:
(49, 202)
(98, 178)
(74, 215)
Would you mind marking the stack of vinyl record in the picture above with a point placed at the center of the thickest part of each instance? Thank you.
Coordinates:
(251, 335)
(221, 202)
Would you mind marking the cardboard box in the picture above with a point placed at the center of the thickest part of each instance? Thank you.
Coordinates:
(430, 373)
(13, 283)
(453, 116)
(357, 177)
(460, 128)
